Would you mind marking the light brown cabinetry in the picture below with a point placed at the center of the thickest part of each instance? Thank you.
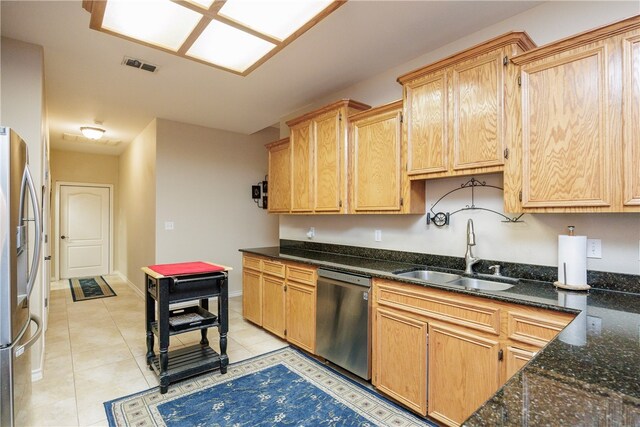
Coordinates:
(579, 116)
(397, 371)
(319, 158)
(273, 304)
(281, 297)
(464, 370)
(455, 121)
(279, 176)
(378, 182)
(474, 346)
(252, 295)
(515, 359)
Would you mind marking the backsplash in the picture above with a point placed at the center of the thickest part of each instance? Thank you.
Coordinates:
(597, 279)
(532, 241)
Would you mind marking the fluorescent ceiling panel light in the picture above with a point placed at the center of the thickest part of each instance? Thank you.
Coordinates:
(206, 4)
(228, 47)
(162, 23)
(278, 19)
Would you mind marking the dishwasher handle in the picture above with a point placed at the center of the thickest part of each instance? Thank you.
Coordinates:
(354, 279)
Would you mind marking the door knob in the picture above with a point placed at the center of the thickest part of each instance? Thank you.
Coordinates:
(63, 237)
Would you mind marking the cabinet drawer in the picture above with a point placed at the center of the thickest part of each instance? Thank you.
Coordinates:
(303, 275)
(273, 268)
(535, 328)
(252, 263)
(440, 305)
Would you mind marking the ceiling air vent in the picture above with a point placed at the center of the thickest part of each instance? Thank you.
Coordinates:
(141, 65)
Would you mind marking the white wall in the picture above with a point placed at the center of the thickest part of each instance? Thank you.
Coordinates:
(137, 207)
(532, 242)
(22, 108)
(203, 185)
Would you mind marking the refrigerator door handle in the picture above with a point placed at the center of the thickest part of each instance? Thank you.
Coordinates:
(35, 262)
(21, 348)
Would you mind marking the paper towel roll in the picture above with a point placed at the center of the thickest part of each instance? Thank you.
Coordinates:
(572, 251)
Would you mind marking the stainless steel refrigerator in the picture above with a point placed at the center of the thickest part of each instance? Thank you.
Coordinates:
(19, 215)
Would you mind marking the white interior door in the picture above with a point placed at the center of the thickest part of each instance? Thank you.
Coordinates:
(84, 231)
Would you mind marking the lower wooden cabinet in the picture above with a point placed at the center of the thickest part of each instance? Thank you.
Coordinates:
(515, 359)
(301, 316)
(273, 305)
(474, 346)
(400, 358)
(464, 371)
(281, 297)
(252, 295)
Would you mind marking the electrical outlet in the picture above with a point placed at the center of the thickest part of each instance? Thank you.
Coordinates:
(377, 235)
(594, 248)
(594, 325)
(311, 233)
(168, 225)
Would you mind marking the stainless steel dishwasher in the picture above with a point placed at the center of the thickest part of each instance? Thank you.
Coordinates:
(343, 330)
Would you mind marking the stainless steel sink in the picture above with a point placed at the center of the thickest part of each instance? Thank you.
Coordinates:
(430, 276)
(479, 284)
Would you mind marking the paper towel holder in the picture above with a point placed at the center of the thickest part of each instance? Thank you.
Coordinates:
(582, 287)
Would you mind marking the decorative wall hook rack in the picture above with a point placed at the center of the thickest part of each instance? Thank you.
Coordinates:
(442, 218)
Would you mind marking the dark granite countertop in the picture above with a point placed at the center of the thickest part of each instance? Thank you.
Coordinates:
(588, 375)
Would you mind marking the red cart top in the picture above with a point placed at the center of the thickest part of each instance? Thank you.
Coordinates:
(182, 268)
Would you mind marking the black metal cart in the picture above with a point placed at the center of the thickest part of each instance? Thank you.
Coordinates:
(172, 366)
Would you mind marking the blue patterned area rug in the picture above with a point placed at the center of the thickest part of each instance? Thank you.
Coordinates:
(86, 288)
(282, 388)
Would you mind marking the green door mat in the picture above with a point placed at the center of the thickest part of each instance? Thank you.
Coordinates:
(86, 288)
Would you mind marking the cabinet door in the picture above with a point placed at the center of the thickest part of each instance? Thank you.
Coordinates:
(301, 316)
(515, 359)
(477, 112)
(376, 163)
(329, 162)
(279, 178)
(273, 304)
(252, 296)
(631, 120)
(463, 372)
(426, 124)
(301, 168)
(400, 358)
(565, 128)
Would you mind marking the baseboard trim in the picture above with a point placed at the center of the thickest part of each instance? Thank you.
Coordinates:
(131, 285)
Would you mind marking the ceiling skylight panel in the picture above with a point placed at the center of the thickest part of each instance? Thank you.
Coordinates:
(161, 23)
(228, 47)
(277, 18)
(206, 4)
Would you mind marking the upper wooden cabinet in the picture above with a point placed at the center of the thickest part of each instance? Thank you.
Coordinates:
(579, 148)
(378, 182)
(318, 158)
(279, 176)
(455, 121)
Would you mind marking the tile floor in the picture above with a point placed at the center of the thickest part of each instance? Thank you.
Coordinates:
(95, 352)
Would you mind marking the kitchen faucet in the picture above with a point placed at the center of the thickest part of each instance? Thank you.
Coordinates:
(469, 259)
